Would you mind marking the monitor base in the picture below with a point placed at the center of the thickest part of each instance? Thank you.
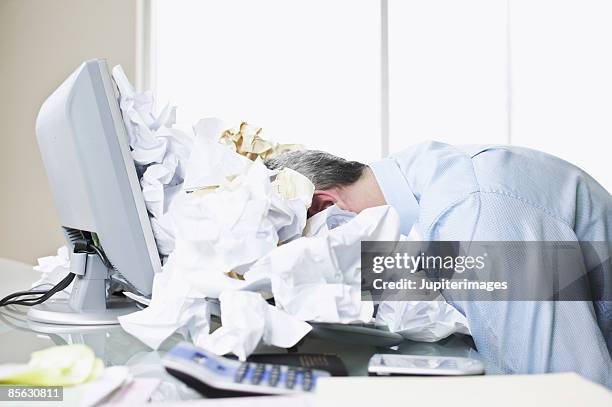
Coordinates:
(59, 312)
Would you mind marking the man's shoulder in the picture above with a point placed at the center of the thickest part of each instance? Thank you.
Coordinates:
(444, 175)
(472, 151)
(438, 174)
(465, 169)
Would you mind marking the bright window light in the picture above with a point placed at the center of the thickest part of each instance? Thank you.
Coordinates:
(306, 71)
(562, 81)
(532, 73)
(448, 71)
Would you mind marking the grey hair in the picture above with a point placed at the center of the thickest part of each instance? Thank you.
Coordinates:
(324, 170)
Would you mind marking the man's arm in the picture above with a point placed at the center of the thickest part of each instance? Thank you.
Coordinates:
(524, 336)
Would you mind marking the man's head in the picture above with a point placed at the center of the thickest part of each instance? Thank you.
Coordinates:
(348, 184)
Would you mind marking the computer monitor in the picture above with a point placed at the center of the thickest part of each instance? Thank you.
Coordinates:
(84, 147)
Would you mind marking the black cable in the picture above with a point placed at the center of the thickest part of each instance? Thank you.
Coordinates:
(65, 282)
(22, 293)
(80, 246)
(59, 287)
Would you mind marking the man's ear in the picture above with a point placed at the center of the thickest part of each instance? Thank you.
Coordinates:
(321, 200)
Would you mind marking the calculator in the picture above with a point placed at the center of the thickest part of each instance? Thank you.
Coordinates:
(218, 376)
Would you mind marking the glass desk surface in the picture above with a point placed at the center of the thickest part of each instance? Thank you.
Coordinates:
(19, 337)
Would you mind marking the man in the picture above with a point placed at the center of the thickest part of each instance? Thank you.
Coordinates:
(490, 193)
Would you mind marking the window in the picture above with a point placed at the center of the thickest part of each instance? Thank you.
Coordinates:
(361, 77)
(447, 72)
(306, 71)
(562, 81)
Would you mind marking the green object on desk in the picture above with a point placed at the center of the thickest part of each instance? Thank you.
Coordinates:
(66, 365)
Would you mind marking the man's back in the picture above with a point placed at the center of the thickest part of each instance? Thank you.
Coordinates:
(502, 193)
(443, 177)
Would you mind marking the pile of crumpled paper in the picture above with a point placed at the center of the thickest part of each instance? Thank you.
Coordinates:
(231, 229)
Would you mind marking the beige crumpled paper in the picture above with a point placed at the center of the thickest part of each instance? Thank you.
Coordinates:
(291, 184)
(246, 140)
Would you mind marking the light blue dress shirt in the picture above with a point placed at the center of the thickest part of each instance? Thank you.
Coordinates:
(504, 193)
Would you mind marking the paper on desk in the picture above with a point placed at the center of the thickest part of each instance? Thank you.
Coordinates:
(234, 216)
(426, 321)
(246, 319)
(218, 232)
(247, 141)
(212, 164)
(53, 269)
(321, 223)
(163, 226)
(290, 184)
(289, 204)
(318, 278)
(174, 304)
(227, 229)
(160, 152)
(65, 365)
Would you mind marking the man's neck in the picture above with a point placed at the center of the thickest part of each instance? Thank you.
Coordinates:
(364, 193)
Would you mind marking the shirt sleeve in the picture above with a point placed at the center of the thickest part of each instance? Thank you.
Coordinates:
(524, 336)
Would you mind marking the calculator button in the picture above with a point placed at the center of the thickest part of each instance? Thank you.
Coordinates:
(241, 372)
(307, 385)
(307, 380)
(258, 374)
(274, 375)
(291, 374)
(199, 358)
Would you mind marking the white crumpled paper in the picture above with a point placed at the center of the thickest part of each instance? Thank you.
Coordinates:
(232, 229)
(426, 321)
(212, 164)
(246, 319)
(321, 223)
(160, 153)
(53, 269)
(319, 278)
(229, 212)
(175, 306)
(228, 227)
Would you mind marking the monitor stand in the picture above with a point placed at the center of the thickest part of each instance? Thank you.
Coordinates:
(88, 303)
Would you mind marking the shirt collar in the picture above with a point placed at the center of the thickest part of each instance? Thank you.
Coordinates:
(397, 192)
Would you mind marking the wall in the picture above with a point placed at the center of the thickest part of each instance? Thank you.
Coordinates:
(41, 43)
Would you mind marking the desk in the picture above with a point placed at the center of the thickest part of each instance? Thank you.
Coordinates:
(20, 337)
